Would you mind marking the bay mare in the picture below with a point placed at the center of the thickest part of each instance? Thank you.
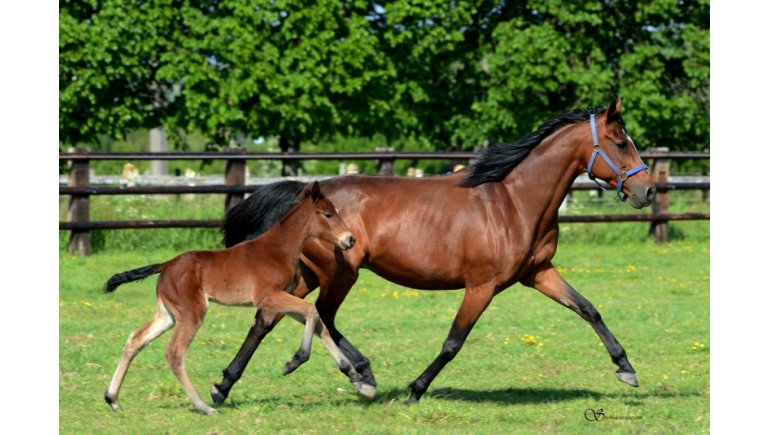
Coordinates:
(484, 229)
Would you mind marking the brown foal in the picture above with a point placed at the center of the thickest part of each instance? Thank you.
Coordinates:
(261, 272)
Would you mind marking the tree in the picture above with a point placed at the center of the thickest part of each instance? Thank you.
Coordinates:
(422, 74)
(109, 61)
(557, 55)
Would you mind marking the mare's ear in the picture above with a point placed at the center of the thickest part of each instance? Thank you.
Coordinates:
(315, 192)
(613, 112)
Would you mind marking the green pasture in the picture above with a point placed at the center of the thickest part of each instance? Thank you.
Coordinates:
(529, 366)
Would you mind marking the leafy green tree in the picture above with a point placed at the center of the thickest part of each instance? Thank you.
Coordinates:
(557, 55)
(421, 74)
(109, 61)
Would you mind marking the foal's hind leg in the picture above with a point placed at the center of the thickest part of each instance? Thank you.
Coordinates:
(188, 322)
(550, 283)
(160, 323)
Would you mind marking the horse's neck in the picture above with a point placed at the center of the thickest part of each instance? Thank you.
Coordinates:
(543, 179)
(287, 237)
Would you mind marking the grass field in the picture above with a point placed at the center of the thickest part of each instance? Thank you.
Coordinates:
(529, 366)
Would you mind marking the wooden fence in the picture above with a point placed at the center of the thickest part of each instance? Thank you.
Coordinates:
(235, 188)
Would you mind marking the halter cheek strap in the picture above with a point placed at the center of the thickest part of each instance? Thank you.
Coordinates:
(622, 176)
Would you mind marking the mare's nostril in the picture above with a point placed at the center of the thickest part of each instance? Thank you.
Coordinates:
(650, 193)
(352, 240)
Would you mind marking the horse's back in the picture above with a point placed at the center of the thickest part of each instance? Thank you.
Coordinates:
(427, 233)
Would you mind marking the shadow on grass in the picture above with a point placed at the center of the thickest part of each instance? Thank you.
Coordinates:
(514, 396)
(508, 396)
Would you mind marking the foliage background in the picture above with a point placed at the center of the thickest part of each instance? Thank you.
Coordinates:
(408, 74)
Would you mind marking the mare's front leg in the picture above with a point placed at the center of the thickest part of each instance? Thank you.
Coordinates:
(264, 322)
(548, 281)
(337, 272)
(474, 303)
(305, 312)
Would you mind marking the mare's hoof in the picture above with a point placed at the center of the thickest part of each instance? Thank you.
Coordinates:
(290, 367)
(217, 395)
(366, 390)
(411, 401)
(628, 378)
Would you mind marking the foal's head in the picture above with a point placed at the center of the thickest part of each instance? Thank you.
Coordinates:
(325, 223)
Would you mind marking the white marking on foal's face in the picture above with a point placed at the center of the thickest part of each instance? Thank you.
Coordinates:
(564, 301)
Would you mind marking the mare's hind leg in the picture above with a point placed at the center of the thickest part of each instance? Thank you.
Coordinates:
(160, 323)
(305, 312)
(549, 282)
(187, 323)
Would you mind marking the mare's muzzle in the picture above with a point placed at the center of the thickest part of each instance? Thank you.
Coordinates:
(641, 195)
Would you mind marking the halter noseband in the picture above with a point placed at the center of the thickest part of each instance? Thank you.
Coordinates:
(622, 176)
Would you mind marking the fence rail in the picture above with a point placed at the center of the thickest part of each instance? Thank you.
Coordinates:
(79, 189)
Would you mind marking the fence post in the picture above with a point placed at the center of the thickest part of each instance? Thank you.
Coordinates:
(79, 209)
(660, 173)
(385, 164)
(235, 175)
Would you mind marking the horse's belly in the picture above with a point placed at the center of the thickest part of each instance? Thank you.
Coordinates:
(423, 277)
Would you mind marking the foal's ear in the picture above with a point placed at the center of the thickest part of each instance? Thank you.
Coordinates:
(613, 113)
(315, 192)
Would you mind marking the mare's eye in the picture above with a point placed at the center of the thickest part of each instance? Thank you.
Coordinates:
(328, 215)
(622, 144)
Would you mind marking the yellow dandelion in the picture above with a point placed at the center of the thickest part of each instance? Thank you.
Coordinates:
(631, 268)
(665, 375)
(395, 294)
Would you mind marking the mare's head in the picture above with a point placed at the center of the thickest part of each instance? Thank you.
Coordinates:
(611, 155)
(325, 223)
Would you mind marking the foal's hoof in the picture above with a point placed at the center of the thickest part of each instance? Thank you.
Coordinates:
(113, 403)
(366, 390)
(628, 378)
(217, 396)
(207, 410)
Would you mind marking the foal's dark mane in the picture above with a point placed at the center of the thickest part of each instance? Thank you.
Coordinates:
(497, 161)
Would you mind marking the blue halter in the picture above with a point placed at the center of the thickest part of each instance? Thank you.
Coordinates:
(622, 176)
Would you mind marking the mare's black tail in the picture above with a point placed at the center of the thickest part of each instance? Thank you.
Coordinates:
(131, 275)
(260, 211)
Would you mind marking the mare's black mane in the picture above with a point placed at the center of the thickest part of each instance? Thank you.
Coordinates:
(497, 161)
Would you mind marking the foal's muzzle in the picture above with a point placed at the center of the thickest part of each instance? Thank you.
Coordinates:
(347, 241)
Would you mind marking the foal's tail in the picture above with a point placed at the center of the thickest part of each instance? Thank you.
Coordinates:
(129, 276)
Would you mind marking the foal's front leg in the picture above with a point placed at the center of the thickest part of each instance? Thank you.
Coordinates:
(550, 283)
(305, 312)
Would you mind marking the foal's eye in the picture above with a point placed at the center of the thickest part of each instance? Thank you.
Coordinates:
(622, 144)
(328, 215)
